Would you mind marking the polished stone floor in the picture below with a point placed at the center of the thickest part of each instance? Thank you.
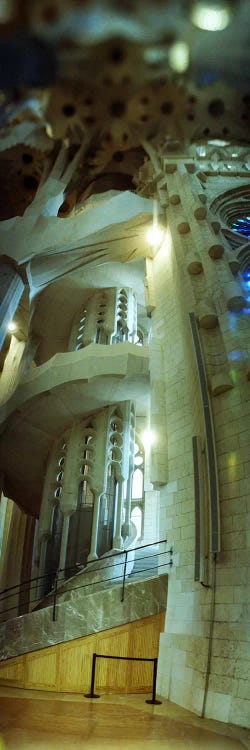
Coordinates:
(33, 720)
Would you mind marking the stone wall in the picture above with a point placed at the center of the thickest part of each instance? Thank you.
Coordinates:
(195, 621)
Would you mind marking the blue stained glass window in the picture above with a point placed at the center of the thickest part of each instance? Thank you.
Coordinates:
(242, 225)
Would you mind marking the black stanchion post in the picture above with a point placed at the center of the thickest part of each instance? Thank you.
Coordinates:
(124, 576)
(92, 694)
(54, 598)
(153, 699)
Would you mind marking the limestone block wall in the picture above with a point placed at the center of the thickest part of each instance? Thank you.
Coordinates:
(184, 622)
(216, 617)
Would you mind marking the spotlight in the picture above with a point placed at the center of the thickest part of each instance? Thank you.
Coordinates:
(11, 326)
(155, 235)
(210, 15)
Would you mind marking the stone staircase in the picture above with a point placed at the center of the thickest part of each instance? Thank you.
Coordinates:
(146, 563)
(92, 601)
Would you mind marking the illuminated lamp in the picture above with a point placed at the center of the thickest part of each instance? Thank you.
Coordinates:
(11, 326)
(210, 15)
(155, 235)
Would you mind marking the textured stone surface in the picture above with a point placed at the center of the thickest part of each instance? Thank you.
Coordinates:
(81, 615)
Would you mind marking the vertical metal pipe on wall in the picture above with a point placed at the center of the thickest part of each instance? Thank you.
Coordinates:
(200, 511)
(213, 493)
(210, 441)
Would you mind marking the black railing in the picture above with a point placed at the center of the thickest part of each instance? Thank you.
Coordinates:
(92, 693)
(63, 575)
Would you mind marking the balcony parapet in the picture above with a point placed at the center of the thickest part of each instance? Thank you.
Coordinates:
(83, 366)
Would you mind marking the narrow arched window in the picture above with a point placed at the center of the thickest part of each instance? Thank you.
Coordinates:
(60, 471)
(88, 452)
(85, 496)
(137, 493)
(137, 484)
(101, 312)
(121, 333)
(53, 547)
(136, 518)
(79, 336)
(138, 474)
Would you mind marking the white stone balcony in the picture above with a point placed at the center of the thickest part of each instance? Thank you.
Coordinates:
(52, 397)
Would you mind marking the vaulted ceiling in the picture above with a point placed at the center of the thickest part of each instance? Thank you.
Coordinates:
(107, 76)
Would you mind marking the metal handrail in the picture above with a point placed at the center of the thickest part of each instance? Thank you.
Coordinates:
(72, 567)
(56, 580)
(84, 585)
(50, 575)
(103, 567)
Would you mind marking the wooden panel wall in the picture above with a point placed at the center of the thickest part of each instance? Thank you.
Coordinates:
(66, 667)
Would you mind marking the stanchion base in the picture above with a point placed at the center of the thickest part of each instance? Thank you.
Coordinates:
(91, 695)
(155, 703)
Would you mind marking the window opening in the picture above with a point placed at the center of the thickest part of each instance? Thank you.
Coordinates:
(88, 455)
(136, 518)
(85, 496)
(137, 494)
(107, 513)
(53, 549)
(60, 473)
(80, 331)
(242, 225)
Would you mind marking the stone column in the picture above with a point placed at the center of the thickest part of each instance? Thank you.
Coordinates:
(117, 540)
(11, 289)
(41, 564)
(128, 502)
(94, 534)
(26, 593)
(64, 540)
